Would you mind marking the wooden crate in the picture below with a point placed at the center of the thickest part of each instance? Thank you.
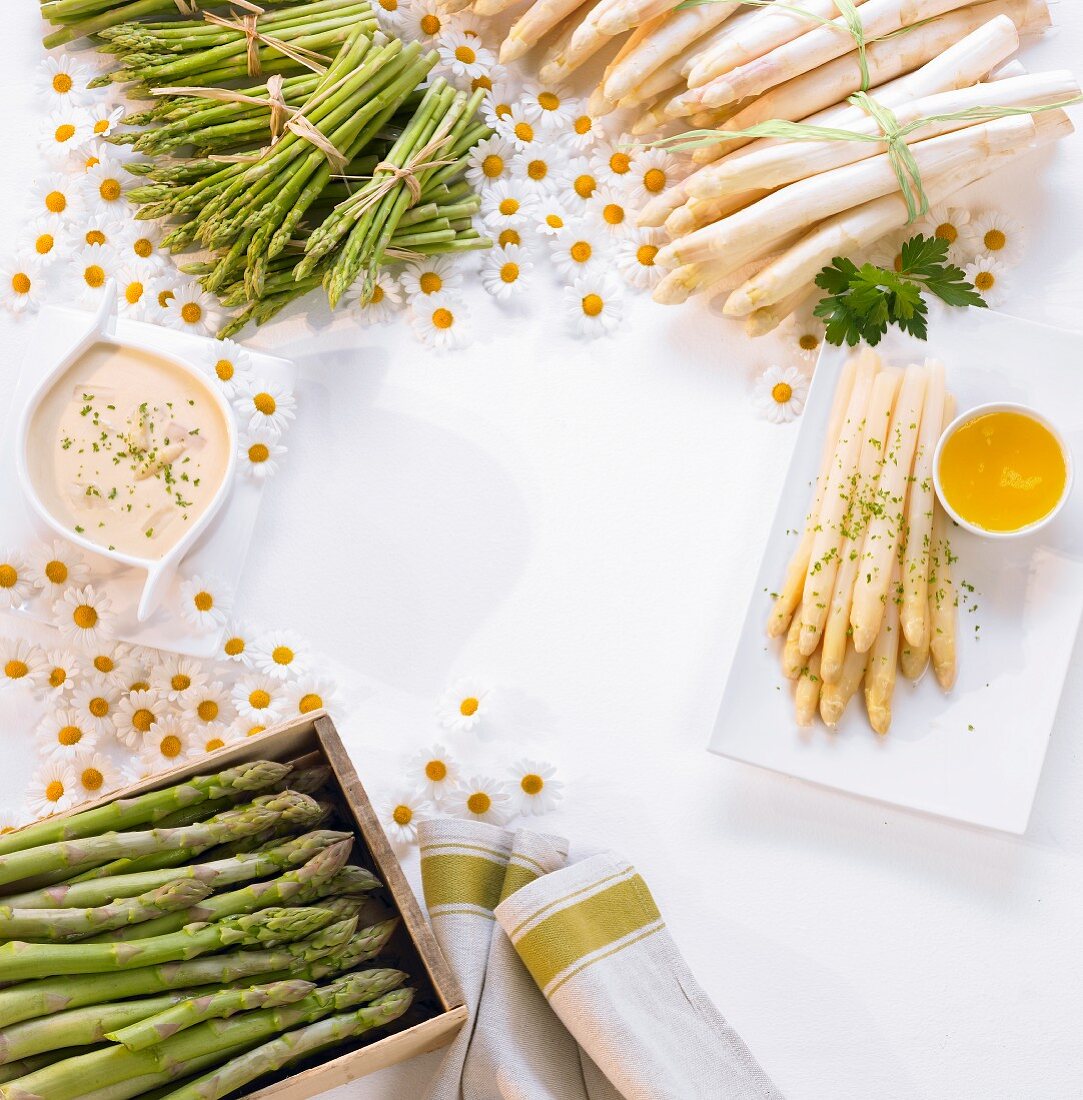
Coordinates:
(438, 1010)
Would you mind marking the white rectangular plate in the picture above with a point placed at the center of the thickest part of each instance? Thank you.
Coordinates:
(220, 551)
(974, 755)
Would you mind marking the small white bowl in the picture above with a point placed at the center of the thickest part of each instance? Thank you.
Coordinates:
(983, 410)
(160, 571)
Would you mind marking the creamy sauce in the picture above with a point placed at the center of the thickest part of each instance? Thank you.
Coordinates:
(1003, 471)
(128, 450)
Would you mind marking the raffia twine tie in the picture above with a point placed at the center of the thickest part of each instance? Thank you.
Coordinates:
(248, 25)
(406, 173)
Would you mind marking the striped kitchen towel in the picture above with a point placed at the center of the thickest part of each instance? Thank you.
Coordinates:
(597, 947)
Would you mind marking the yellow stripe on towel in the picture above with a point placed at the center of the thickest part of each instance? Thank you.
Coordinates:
(461, 880)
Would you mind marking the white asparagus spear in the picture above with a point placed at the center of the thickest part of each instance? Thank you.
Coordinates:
(884, 531)
(573, 48)
(943, 601)
(488, 8)
(533, 25)
(953, 51)
(817, 47)
(837, 627)
(809, 201)
(627, 14)
(697, 213)
(792, 660)
(836, 696)
(714, 278)
(880, 675)
(852, 230)
(785, 603)
(913, 614)
(782, 164)
(913, 660)
(766, 320)
(775, 27)
(808, 692)
(827, 539)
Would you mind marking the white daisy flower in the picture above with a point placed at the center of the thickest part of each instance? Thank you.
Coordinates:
(134, 291)
(137, 245)
(205, 602)
(53, 789)
(780, 394)
(310, 693)
(989, 276)
(90, 269)
(536, 789)
(16, 578)
(594, 304)
(500, 98)
(55, 566)
(614, 161)
(549, 215)
(579, 248)
(581, 130)
(514, 235)
(612, 210)
(92, 153)
(391, 15)
(489, 160)
(113, 662)
(504, 203)
(236, 642)
(517, 128)
(99, 229)
(464, 705)
(260, 698)
(266, 406)
(482, 799)
(804, 334)
(63, 733)
(536, 170)
(106, 185)
(66, 131)
(438, 772)
(57, 197)
(95, 775)
(61, 674)
(402, 812)
(653, 171)
(463, 55)
(211, 740)
(280, 653)
(104, 117)
(231, 366)
(636, 257)
(46, 240)
(424, 21)
(166, 744)
(259, 452)
(949, 223)
(10, 820)
(430, 276)
(62, 79)
(441, 322)
(208, 705)
(21, 283)
(997, 236)
(84, 617)
(177, 676)
(384, 301)
(254, 730)
(135, 714)
(22, 664)
(95, 705)
(488, 80)
(192, 309)
(576, 185)
(887, 252)
(549, 105)
(503, 269)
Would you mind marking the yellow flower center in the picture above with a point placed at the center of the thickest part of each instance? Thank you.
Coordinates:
(15, 669)
(54, 791)
(509, 273)
(469, 706)
(143, 247)
(592, 305)
(554, 221)
(214, 744)
(443, 319)
(62, 83)
(165, 297)
(91, 779)
(142, 719)
(90, 162)
(645, 254)
(481, 82)
(581, 251)
(430, 282)
(309, 702)
(98, 706)
(430, 24)
(377, 295)
(947, 232)
(170, 746)
(808, 341)
(492, 166)
(537, 170)
(402, 815)
(104, 665)
(259, 699)
(479, 803)
(532, 784)
(258, 452)
(781, 392)
(180, 682)
(94, 275)
(85, 617)
(139, 685)
(524, 131)
(613, 213)
(985, 280)
(254, 730)
(69, 735)
(207, 710)
(265, 404)
(234, 647)
(654, 180)
(389, 5)
(436, 771)
(620, 163)
(44, 244)
(204, 601)
(548, 101)
(20, 282)
(56, 202)
(583, 125)
(224, 370)
(192, 312)
(101, 126)
(466, 55)
(9, 575)
(58, 677)
(64, 132)
(585, 186)
(109, 190)
(282, 655)
(509, 236)
(995, 240)
(508, 207)
(133, 292)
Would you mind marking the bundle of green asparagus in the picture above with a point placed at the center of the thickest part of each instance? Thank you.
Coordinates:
(151, 967)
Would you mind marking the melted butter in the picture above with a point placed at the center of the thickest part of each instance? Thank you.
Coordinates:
(128, 450)
(1003, 471)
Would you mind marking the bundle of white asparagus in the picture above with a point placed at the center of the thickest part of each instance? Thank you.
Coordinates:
(869, 589)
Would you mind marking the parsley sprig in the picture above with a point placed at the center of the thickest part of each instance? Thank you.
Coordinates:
(863, 301)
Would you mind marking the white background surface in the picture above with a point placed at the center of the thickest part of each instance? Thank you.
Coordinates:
(582, 523)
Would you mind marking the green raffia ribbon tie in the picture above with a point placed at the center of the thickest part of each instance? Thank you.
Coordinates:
(899, 154)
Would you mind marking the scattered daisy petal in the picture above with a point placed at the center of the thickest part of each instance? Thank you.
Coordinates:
(464, 705)
(780, 394)
(594, 304)
(401, 814)
(482, 799)
(280, 653)
(205, 602)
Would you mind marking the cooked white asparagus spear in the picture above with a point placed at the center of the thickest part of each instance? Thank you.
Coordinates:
(793, 660)
(808, 201)
(914, 611)
(847, 233)
(837, 627)
(823, 561)
(807, 696)
(887, 519)
(881, 673)
(913, 660)
(785, 603)
(533, 25)
(836, 696)
(943, 601)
